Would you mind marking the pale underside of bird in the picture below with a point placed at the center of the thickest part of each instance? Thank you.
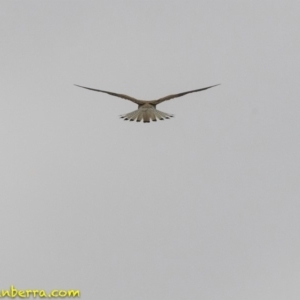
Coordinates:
(147, 109)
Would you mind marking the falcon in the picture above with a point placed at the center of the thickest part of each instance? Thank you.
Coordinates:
(147, 109)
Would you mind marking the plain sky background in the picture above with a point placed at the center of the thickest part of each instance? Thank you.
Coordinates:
(202, 206)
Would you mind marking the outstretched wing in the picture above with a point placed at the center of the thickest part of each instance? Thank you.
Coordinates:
(180, 94)
(114, 94)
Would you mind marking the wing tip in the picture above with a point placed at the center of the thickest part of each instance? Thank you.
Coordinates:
(216, 85)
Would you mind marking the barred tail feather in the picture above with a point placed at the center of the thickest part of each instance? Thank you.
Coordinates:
(134, 116)
(160, 115)
(152, 115)
(146, 114)
(163, 115)
(140, 116)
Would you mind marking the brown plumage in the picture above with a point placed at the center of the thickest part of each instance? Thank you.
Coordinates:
(147, 109)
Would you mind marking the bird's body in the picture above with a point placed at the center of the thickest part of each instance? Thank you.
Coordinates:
(147, 109)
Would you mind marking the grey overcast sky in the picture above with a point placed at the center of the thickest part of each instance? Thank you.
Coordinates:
(202, 206)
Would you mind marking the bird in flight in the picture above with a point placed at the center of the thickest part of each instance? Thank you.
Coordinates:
(147, 109)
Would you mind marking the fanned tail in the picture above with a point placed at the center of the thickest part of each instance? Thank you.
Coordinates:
(146, 114)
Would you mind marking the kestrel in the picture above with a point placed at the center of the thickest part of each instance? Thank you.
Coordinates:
(147, 109)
